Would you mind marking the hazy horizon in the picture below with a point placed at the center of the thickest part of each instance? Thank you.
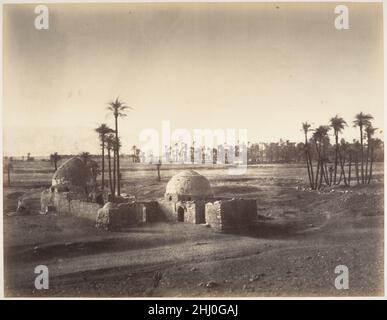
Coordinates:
(264, 67)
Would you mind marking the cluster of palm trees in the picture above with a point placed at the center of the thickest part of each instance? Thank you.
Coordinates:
(346, 155)
(111, 143)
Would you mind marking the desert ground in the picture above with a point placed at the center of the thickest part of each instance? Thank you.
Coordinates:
(298, 240)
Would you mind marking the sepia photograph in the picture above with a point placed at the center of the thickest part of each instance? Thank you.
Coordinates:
(193, 150)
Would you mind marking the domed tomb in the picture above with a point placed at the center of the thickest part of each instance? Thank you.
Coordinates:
(188, 185)
(72, 175)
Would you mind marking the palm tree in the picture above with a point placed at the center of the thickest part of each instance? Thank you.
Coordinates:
(376, 143)
(346, 148)
(109, 139)
(362, 120)
(337, 124)
(306, 127)
(116, 151)
(350, 151)
(370, 130)
(356, 148)
(117, 107)
(320, 137)
(55, 157)
(102, 131)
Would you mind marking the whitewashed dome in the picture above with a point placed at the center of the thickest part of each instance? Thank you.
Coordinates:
(188, 185)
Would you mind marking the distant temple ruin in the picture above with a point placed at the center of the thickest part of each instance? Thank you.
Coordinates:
(188, 198)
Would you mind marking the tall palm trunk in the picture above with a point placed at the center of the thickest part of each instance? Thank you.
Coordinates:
(324, 166)
(317, 174)
(103, 163)
(362, 154)
(9, 176)
(367, 159)
(349, 168)
(372, 161)
(336, 156)
(110, 172)
(342, 165)
(118, 159)
(307, 161)
(357, 168)
(311, 168)
(326, 174)
(316, 183)
(321, 175)
(114, 173)
(311, 165)
(309, 174)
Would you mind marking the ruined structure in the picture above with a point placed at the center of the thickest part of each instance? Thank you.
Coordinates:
(68, 183)
(72, 175)
(188, 198)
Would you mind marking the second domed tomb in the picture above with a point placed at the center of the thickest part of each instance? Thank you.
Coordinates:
(72, 175)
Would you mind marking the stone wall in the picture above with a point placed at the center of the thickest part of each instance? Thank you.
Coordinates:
(189, 211)
(150, 211)
(86, 210)
(117, 216)
(214, 215)
(167, 210)
(222, 215)
(124, 215)
(195, 211)
(200, 211)
(112, 217)
(231, 214)
(61, 202)
(68, 203)
(46, 202)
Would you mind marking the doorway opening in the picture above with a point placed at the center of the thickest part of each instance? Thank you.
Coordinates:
(180, 214)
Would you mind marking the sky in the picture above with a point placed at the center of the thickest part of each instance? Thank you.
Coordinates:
(261, 67)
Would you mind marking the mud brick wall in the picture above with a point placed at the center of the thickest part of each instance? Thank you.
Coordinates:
(231, 214)
(69, 203)
(214, 215)
(75, 206)
(195, 211)
(152, 212)
(167, 210)
(124, 215)
(200, 211)
(86, 210)
(189, 211)
(61, 202)
(238, 213)
(46, 199)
